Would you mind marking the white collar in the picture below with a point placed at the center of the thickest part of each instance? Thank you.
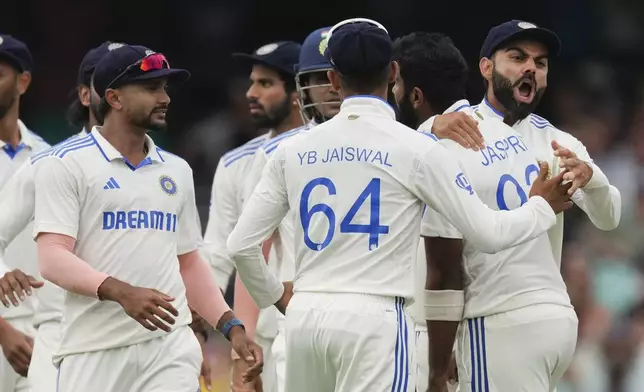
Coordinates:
(27, 138)
(368, 104)
(112, 153)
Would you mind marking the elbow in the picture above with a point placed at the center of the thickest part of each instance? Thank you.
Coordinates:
(488, 243)
(233, 248)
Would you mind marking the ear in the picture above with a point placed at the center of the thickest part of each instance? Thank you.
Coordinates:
(485, 67)
(24, 80)
(417, 98)
(83, 95)
(112, 98)
(393, 72)
(294, 99)
(334, 79)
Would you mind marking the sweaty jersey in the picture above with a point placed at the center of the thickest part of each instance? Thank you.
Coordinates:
(357, 185)
(601, 201)
(17, 204)
(501, 174)
(128, 221)
(19, 251)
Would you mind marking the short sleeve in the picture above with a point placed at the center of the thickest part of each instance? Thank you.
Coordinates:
(57, 198)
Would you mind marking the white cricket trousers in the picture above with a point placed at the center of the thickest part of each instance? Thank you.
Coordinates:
(523, 350)
(348, 343)
(278, 352)
(42, 372)
(171, 363)
(10, 381)
(422, 358)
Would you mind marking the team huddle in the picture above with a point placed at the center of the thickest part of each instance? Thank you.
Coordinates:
(386, 234)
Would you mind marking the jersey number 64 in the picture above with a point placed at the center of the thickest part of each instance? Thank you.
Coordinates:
(374, 228)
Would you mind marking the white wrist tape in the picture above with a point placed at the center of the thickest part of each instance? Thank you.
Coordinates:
(444, 305)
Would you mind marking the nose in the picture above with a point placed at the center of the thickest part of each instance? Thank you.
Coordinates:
(251, 93)
(530, 66)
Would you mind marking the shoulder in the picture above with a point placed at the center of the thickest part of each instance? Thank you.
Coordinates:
(551, 132)
(173, 160)
(246, 150)
(66, 148)
(273, 143)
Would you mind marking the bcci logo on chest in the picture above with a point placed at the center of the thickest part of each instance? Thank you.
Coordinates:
(168, 185)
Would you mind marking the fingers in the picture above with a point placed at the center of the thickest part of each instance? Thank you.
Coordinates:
(163, 303)
(472, 127)
(544, 169)
(146, 323)
(20, 284)
(5, 289)
(162, 319)
(466, 134)
(8, 291)
(164, 296)
(33, 282)
(206, 373)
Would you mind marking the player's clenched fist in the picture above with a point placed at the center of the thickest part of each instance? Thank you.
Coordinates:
(249, 351)
(16, 284)
(552, 190)
(150, 307)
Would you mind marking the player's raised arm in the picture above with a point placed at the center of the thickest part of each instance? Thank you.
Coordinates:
(263, 212)
(442, 185)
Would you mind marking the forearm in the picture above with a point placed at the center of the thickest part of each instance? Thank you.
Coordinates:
(262, 285)
(203, 294)
(60, 266)
(601, 201)
(245, 308)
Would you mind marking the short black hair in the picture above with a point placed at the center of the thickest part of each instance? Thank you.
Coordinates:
(431, 62)
(289, 81)
(77, 113)
(367, 82)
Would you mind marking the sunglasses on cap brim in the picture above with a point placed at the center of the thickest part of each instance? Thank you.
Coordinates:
(152, 62)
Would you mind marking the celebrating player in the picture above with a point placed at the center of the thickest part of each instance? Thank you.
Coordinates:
(346, 324)
(271, 97)
(116, 217)
(508, 295)
(318, 102)
(18, 144)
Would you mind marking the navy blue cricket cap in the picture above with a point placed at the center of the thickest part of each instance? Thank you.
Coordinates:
(92, 58)
(518, 29)
(16, 53)
(359, 45)
(281, 56)
(125, 65)
(312, 55)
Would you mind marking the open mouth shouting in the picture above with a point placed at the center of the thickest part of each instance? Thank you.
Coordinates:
(525, 91)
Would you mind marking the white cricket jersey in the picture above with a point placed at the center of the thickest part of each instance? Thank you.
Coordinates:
(17, 204)
(21, 252)
(225, 207)
(226, 202)
(601, 201)
(129, 222)
(357, 185)
(501, 174)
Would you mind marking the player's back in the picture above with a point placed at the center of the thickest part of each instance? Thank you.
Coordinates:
(355, 219)
(502, 174)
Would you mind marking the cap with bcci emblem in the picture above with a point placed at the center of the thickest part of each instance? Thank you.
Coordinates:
(517, 29)
(133, 63)
(313, 49)
(91, 60)
(282, 56)
(16, 53)
(359, 45)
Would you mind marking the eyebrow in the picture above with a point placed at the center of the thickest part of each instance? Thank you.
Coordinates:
(543, 56)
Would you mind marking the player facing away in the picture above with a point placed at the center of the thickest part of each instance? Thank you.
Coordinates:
(357, 185)
(508, 295)
(514, 62)
(17, 145)
(270, 96)
(116, 226)
(318, 102)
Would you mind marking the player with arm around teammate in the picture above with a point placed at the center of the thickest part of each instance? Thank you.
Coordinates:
(357, 184)
(514, 61)
(272, 104)
(508, 295)
(115, 221)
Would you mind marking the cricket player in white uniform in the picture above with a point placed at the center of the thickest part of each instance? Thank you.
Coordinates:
(272, 104)
(318, 102)
(115, 217)
(514, 63)
(357, 184)
(17, 203)
(18, 144)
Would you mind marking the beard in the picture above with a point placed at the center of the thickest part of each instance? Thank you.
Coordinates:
(391, 98)
(504, 92)
(6, 104)
(406, 113)
(271, 118)
(93, 108)
(148, 123)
